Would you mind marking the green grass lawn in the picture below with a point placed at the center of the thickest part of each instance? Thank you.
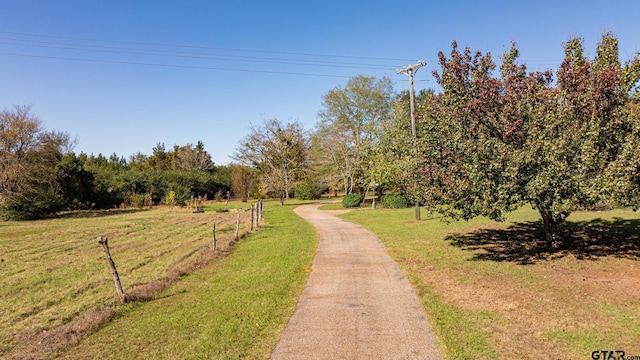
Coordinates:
(493, 291)
(234, 308)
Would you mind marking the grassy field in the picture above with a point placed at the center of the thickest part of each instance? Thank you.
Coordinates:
(492, 290)
(56, 284)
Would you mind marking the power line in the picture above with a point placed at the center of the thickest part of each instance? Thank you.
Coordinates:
(172, 65)
(189, 55)
(202, 47)
(179, 51)
(541, 64)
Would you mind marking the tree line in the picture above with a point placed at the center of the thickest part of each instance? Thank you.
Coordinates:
(41, 175)
(491, 140)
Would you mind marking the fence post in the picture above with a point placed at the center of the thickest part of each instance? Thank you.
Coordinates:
(237, 226)
(116, 279)
(251, 221)
(215, 241)
(257, 214)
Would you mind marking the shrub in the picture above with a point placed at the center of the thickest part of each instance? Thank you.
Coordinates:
(395, 201)
(351, 200)
(309, 190)
(170, 199)
(32, 206)
(137, 200)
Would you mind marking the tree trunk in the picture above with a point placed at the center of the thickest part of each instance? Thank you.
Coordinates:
(551, 222)
(550, 228)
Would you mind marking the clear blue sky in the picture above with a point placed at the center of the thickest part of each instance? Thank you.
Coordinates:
(121, 101)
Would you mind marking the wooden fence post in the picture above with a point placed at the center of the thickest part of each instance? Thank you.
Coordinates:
(251, 221)
(237, 226)
(215, 241)
(116, 279)
(257, 214)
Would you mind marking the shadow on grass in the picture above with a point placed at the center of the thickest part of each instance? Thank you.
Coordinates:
(81, 214)
(524, 243)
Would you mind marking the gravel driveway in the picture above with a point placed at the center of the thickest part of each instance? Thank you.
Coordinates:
(356, 304)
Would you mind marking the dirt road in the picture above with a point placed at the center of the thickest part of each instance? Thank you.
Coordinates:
(356, 304)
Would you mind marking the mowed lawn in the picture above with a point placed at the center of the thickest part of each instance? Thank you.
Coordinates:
(493, 291)
(56, 284)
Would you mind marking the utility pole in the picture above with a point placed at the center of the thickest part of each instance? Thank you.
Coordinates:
(410, 70)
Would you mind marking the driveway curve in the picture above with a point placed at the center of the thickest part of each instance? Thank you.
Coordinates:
(356, 304)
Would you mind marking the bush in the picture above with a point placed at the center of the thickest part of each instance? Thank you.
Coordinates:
(351, 200)
(170, 199)
(395, 201)
(137, 200)
(309, 190)
(31, 206)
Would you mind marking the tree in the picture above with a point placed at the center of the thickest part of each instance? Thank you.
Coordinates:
(350, 125)
(280, 153)
(393, 161)
(75, 183)
(244, 180)
(191, 157)
(19, 132)
(492, 144)
(29, 183)
(159, 159)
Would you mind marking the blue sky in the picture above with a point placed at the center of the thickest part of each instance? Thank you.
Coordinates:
(181, 71)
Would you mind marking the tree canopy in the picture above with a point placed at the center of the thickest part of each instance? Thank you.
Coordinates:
(280, 152)
(489, 144)
(350, 124)
(29, 180)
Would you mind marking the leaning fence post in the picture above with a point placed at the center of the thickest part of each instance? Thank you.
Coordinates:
(116, 279)
(237, 226)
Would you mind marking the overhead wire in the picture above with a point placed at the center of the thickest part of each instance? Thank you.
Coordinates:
(89, 45)
(191, 55)
(172, 65)
(167, 50)
(203, 47)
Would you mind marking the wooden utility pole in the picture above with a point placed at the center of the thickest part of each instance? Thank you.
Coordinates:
(410, 70)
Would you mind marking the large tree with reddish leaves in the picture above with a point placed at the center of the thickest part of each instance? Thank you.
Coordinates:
(489, 144)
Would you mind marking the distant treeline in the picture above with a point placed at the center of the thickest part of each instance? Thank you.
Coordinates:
(39, 175)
